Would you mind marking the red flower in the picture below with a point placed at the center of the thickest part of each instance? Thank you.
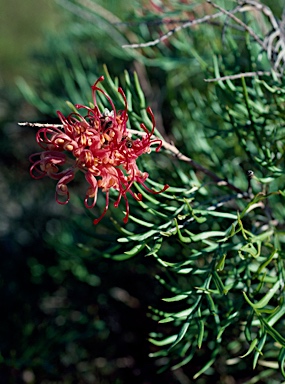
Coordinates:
(99, 145)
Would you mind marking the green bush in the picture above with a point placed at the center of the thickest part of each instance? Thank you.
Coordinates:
(212, 244)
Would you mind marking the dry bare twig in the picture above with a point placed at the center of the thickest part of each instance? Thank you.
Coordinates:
(239, 76)
(188, 24)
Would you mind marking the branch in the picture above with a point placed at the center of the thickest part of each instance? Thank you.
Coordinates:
(238, 21)
(201, 168)
(40, 125)
(208, 18)
(239, 75)
(174, 30)
(263, 8)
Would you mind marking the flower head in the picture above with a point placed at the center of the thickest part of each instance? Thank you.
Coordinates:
(99, 145)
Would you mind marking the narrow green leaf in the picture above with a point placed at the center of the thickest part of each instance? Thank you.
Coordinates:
(71, 106)
(181, 237)
(225, 215)
(229, 321)
(266, 262)
(259, 349)
(213, 309)
(112, 83)
(198, 219)
(143, 223)
(162, 262)
(251, 348)
(207, 235)
(176, 298)
(135, 250)
(139, 91)
(128, 91)
(181, 334)
(161, 343)
(147, 196)
(281, 361)
(120, 257)
(241, 227)
(185, 360)
(120, 229)
(250, 249)
(280, 311)
(221, 262)
(272, 331)
(248, 326)
(217, 72)
(138, 237)
(265, 300)
(207, 365)
(154, 249)
(219, 284)
(189, 313)
(201, 328)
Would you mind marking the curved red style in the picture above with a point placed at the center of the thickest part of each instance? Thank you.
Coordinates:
(99, 145)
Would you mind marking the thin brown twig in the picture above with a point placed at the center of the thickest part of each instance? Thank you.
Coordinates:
(201, 168)
(170, 147)
(238, 21)
(239, 75)
(260, 7)
(208, 18)
(174, 30)
(40, 125)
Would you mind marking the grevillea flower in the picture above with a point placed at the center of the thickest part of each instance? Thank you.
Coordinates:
(99, 145)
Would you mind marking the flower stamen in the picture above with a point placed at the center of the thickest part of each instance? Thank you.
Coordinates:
(99, 145)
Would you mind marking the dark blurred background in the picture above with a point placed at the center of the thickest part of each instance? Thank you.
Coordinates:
(66, 316)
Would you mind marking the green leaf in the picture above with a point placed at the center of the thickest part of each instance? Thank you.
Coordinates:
(259, 349)
(266, 262)
(182, 238)
(205, 235)
(154, 249)
(147, 196)
(120, 257)
(138, 237)
(217, 72)
(177, 298)
(185, 360)
(139, 91)
(161, 343)
(143, 223)
(208, 364)
(265, 300)
(247, 330)
(135, 250)
(181, 334)
(230, 319)
(221, 262)
(281, 361)
(196, 218)
(201, 328)
(225, 215)
(272, 331)
(250, 249)
(279, 312)
(251, 348)
(219, 284)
